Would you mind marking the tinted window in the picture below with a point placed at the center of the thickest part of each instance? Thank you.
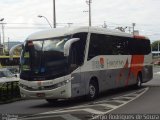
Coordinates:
(120, 45)
(139, 46)
(107, 45)
(101, 44)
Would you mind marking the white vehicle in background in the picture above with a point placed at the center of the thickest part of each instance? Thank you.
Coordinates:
(7, 76)
(14, 70)
(65, 63)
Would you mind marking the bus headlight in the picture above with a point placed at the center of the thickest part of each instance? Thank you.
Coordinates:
(62, 83)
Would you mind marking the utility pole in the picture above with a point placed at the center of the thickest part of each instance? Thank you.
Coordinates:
(133, 25)
(8, 44)
(3, 32)
(89, 4)
(158, 48)
(104, 25)
(2, 28)
(54, 14)
(0, 38)
(3, 35)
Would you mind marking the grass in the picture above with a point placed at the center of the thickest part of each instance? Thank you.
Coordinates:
(9, 92)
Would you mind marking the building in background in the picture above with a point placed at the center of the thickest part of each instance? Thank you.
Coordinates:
(5, 59)
(9, 45)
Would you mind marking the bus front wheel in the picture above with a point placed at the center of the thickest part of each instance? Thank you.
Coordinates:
(93, 91)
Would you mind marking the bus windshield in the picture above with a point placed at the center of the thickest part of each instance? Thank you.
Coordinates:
(44, 58)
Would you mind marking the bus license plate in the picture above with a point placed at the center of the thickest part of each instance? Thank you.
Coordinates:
(40, 94)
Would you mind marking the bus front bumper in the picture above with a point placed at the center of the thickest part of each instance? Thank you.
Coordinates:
(62, 92)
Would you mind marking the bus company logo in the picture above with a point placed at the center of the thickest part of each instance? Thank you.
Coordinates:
(101, 61)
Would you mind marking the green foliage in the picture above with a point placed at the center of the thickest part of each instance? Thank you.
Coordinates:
(155, 45)
(9, 91)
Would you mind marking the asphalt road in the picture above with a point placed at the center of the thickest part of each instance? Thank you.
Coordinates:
(40, 106)
(130, 100)
(149, 102)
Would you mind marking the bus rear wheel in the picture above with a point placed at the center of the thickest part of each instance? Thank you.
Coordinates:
(93, 91)
(139, 81)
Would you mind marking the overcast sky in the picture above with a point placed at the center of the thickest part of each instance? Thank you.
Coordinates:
(21, 15)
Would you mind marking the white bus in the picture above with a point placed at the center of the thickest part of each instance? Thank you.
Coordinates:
(65, 63)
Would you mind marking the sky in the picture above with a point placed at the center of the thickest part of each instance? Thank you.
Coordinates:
(21, 18)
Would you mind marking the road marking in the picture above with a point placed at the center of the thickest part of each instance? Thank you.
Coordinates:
(127, 97)
(38, 117)
(145, 90)
(93, 111)
(108, 105)
(60, 111)
(70, 109)
(65, 116)
(119, 101)
(69, 117)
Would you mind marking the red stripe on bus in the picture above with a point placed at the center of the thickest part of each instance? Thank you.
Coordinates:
(122, 72)
(136, 66)
(140, 37)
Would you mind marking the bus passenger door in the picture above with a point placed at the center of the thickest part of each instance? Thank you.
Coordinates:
(75, 70)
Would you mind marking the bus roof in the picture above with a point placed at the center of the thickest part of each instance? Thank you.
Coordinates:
(56, 32)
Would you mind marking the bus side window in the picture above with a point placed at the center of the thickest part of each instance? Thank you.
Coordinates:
(139, 47)
(100, 44)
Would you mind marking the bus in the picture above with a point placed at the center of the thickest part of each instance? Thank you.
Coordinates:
(65, 63)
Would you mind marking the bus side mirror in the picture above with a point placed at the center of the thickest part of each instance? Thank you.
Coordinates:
(68, 44)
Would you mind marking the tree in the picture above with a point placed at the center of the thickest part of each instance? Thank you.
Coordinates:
(155, 45)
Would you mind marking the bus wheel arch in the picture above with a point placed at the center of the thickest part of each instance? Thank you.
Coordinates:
(93, 88)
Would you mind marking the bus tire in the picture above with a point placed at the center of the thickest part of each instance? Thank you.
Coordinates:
(93, 90)
(139, 80)
(51, 101)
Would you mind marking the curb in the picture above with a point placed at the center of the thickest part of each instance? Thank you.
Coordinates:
(10, 101)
